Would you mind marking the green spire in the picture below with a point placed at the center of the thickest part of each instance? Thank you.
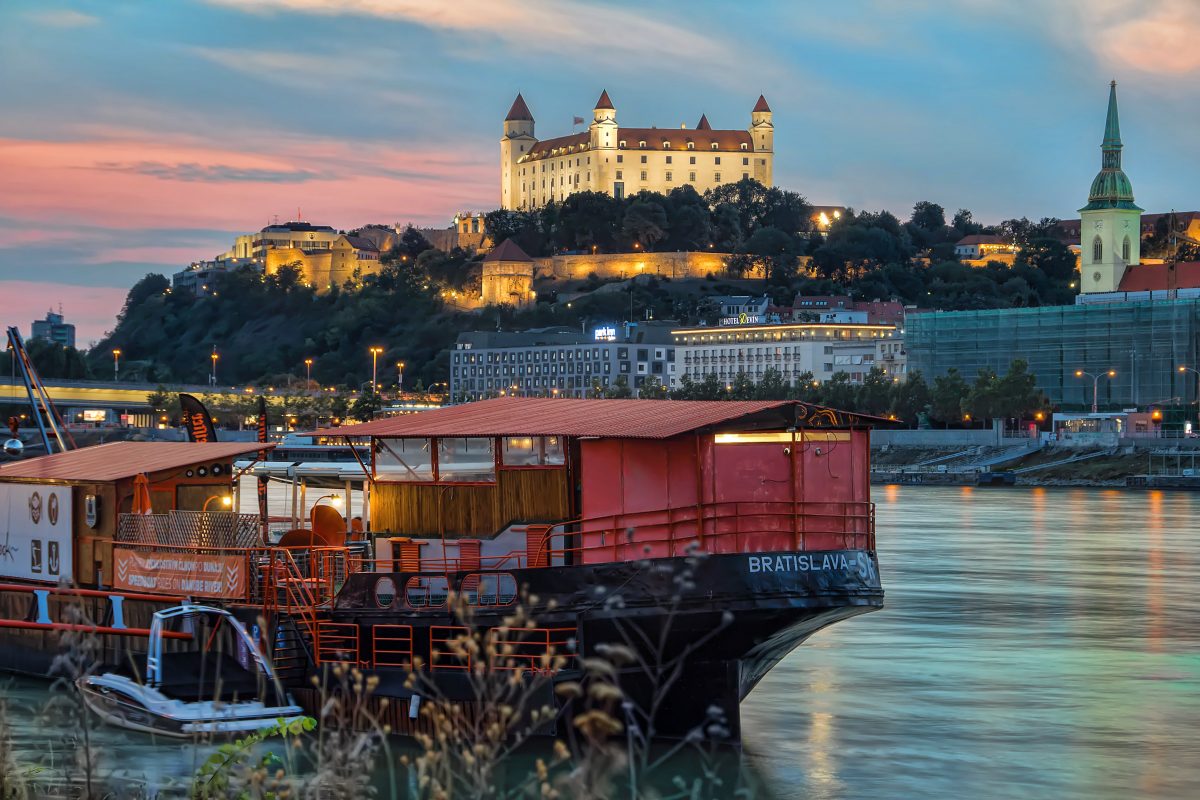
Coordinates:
(1111, 188)
(1112, 125)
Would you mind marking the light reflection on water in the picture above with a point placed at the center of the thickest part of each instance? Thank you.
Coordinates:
(1036, 643)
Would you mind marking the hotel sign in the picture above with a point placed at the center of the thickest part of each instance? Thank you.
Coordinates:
(607, 333)
(744, 319)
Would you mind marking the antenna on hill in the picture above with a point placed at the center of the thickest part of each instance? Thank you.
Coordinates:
(299, 216)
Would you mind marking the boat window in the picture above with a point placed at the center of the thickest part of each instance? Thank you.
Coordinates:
(533, 451)
(489, 588)
(426, 591)
(403, 460)
(462, 460)
(385, 592)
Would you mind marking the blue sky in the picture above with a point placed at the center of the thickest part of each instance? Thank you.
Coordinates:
(138, 135)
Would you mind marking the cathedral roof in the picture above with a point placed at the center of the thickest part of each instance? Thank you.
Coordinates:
(761, 105)
(1111, 187)
(703, 125)
(604, 102)
(1160, 277)
(508, 250)
(519, 111)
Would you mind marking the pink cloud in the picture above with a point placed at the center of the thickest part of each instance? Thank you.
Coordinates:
(126, 181)
(92, 309)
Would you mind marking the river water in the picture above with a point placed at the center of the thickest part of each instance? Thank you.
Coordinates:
(1037, 643)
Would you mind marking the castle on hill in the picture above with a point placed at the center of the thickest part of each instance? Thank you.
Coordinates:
(621, 161)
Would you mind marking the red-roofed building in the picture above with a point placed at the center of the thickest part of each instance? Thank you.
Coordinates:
(622, 161)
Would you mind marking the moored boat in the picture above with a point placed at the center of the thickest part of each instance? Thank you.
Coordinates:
(713, 536)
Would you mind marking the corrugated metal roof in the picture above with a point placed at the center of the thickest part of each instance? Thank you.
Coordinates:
(533, 416)
(117, 460)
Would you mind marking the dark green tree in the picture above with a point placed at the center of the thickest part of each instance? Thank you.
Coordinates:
(949, 392)
(645, 223)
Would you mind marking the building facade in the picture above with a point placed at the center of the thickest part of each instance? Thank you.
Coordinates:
(813, 350)
(1144, 342)
(53, 329)
(347, 260)
(560, 362)
(622, 161)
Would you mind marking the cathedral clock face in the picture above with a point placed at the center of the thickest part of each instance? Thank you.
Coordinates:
(1099, 224)
(1096, 277)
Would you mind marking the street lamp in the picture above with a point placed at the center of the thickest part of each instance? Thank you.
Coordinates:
(375, 351)
(1197, 374)
(1112, 373)
(116, 364)
(400, 378)
(212, 378)
(307, 373)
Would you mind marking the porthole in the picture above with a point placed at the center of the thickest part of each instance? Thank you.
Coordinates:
(217, 469)
(385, 592)
(190, 473)
(202, 471)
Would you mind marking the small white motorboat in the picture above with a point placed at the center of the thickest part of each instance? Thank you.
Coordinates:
(194, 693)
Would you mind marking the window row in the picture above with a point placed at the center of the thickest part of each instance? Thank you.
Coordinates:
(462, 459)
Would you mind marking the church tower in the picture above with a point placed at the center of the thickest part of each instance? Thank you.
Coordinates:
(517, 140)
(602, 142)
(1110, 230)
(762, 136)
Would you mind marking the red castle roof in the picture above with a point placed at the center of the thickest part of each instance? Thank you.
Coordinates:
(519, 111)
(508, 250)
(604, 102)
(761, 105)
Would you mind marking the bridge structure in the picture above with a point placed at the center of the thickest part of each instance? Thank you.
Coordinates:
(73, 398)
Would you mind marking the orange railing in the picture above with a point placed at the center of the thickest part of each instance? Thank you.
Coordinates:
(392, 646)
(534, 649)
(336, 642)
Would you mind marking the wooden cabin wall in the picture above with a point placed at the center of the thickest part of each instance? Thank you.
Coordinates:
(471, 510)
(93, 546)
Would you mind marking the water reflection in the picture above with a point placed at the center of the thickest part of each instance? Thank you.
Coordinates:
(1035, 644)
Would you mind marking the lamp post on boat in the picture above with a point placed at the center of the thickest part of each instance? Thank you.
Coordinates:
(225, 499)
(1112, 373)
(375, 351)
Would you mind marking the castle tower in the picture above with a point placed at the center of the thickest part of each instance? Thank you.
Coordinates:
(518, 138)
(602, 141)
(762, 135)
(1110, 224)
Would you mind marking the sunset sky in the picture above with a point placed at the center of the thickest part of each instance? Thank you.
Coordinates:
(138, 135)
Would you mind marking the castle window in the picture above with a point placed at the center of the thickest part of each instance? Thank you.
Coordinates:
(666, 145)
(691, 177)
(668, 177)
(714, 145)
(1125, 249)
(642, 145)
(668, 159)
(643, 159)
(643, 174)
(745, 162)
(620, 158)
(691, 145)
(1097, 250)
(621, 144)
(743, 145)
(717, 161)
(692, 160)
(745, 175)
(620, 175)
(717, 177)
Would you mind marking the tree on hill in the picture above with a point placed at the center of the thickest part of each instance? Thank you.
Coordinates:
(645, 223)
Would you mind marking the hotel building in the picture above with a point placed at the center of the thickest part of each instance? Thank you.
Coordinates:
(793, 349)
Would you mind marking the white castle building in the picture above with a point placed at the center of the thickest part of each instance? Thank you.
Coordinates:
(621, 161)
